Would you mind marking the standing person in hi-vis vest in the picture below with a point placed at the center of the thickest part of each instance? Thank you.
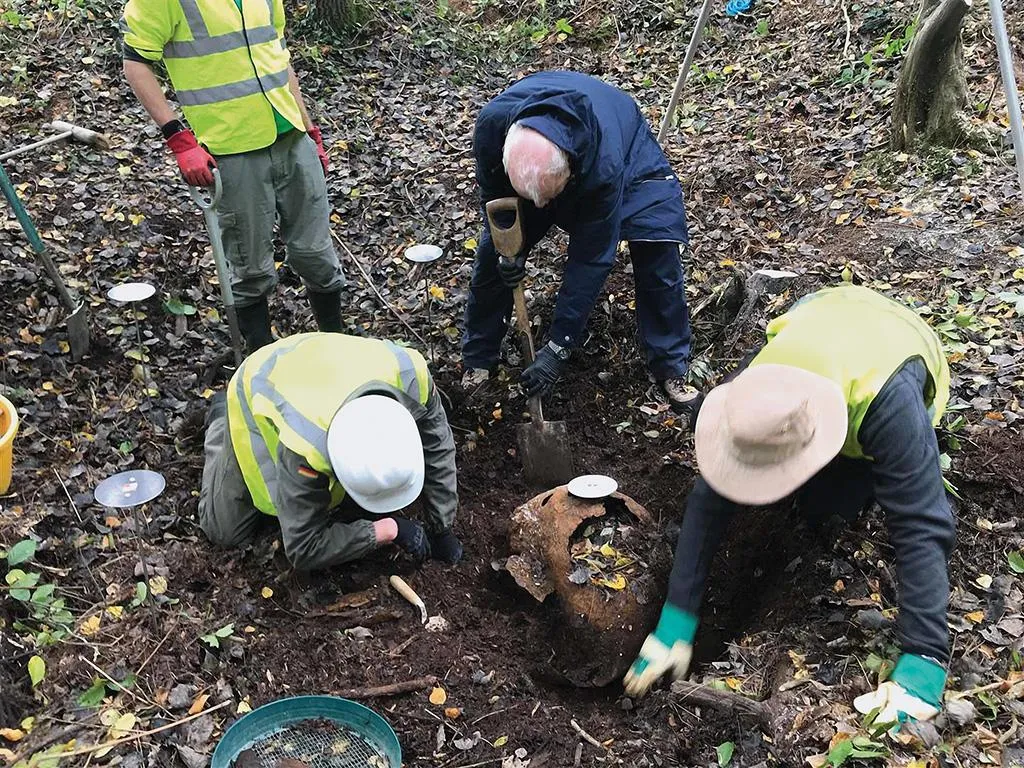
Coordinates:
(316, 417)
(230, 69)
(840, 407)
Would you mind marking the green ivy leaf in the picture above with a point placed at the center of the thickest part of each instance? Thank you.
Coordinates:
(725, 751)
(176, 306)
(22, 551)
(1016, 561)
(840, 753)
(93, 696)
(36, 670)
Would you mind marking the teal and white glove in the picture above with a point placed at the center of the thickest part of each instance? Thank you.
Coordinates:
(666, 650)
(912, 692)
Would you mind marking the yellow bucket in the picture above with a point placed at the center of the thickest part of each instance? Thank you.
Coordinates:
(8, 429)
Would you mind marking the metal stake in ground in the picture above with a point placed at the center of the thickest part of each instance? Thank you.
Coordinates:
(425, 255)
(133, 293)
(131, 490)
(1010, 84)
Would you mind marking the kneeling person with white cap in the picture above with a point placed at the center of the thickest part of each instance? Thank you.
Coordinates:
(839, 406)
(316, 417)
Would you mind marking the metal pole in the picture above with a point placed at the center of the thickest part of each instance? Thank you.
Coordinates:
(1009, 85)
(684, 70)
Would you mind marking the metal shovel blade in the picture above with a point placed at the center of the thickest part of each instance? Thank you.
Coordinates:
(78, 332)
(545, 453)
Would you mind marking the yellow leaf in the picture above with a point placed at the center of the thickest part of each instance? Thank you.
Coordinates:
(90, 626)
(158, 585)
(452, 713)
(124, 170)
(12, 734)
(266, 593)
(136, 218)
(727, 263)
(608, 550)
(470, 244)
(123, 724)
(984, 581)
(114, 612)
(243, 707)
(249, 629)
(842, 218)
(438, 696)
(496, 414)
(437, 292)
(734, 683)
(198, 704)
(112, 522)
(975, 617)
(774, 235)
(48, 386)
(207, 394)
(616, 581)
(839, 586)
(500, 742)
(64, 347)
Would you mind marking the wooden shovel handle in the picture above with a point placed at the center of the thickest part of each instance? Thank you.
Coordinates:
(406, 591)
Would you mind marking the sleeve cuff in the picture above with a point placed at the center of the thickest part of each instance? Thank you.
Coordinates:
(921, 677)
(676, 624)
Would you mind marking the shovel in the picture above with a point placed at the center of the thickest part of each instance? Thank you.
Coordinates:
(208, 205)
(543, 445)
(78, 319)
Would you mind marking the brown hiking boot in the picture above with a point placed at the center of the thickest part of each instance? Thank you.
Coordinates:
(684, 399)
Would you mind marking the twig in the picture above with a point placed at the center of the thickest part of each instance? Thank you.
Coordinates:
(980, 689)
(376, 292)
(137, 736)
(119, 686)
(71, 501)
(394, 689)
(153, 653)
(733, 703)
(585, 736)
(846, 45)
(62, 734)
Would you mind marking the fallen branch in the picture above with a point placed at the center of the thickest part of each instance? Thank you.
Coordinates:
(723, 701)
(585, 736)
(394, 689)
(376, 292)
(135, 737)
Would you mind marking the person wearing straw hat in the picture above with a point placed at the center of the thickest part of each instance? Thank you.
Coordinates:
(839, 407)
(318, 418)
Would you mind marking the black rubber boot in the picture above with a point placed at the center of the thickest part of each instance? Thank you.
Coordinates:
(326, 310)
(254, 323)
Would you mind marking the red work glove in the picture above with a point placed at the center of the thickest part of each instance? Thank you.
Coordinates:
(196, 163)
(314, 134)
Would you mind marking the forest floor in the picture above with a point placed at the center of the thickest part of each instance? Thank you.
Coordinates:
(781, 143)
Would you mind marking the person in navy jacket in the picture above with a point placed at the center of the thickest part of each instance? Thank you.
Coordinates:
(583, 158)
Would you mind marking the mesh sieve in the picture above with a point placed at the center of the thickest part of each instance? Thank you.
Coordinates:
(318, 744)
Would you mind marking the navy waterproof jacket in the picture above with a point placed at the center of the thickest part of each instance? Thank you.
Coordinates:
(621, 188)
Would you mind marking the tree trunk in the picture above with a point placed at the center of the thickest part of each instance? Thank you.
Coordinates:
(337, 16)
(932, 90)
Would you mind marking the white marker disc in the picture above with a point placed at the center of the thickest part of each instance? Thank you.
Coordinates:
(131, 292)
(592, 486)
(423, 254)
(128, 489)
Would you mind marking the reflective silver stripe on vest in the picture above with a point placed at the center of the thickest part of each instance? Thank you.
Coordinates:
(258, 444)
(312, 433)
(204, 46)
(194, 18)
(218, 93)
(406, 371)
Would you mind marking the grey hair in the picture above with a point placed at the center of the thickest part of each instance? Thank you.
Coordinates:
(531, 175)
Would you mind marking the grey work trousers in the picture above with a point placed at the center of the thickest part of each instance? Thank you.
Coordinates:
(286, 180)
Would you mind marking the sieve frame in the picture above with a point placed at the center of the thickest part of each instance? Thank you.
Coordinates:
(270, 718)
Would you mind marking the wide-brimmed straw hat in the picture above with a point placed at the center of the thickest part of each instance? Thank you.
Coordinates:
(767, 432)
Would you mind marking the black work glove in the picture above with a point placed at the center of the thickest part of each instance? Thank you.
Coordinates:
(512, 271)
(539, 379)
(445, 546)
(412, 538)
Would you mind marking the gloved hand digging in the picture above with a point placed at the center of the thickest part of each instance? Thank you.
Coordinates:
(511, 271)
(321, 153)
(195, 163)
(667, 649)
(445, 546)
(539, 379)
(912, 692)
(412, 538)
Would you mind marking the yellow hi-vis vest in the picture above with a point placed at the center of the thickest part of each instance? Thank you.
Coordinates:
(228, 66)
(859, 339)
(289, 391)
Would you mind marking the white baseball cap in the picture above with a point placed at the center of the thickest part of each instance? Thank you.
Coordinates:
(376, 452)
